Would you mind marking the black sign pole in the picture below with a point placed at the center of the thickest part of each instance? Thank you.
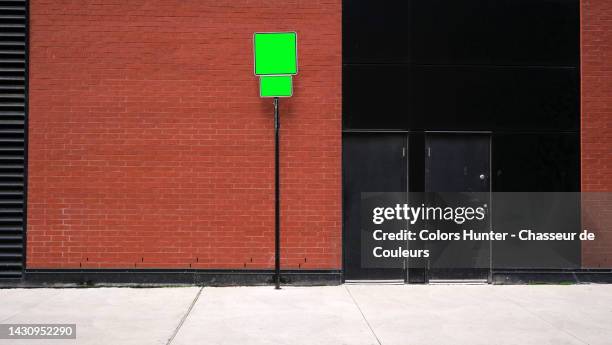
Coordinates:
(276, 195)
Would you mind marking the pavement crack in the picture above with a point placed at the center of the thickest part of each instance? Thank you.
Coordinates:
(362, 314)
(178, 327)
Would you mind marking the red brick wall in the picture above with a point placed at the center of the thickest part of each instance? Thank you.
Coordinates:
(596, 129)
(149, 145)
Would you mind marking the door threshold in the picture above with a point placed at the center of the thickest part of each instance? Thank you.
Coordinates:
(374, 282)
(458, 282)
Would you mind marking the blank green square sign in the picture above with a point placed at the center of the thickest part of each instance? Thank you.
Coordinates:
(275, 53)
(275, 86)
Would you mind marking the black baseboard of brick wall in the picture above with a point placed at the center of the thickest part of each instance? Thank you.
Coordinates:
(172, 277)
(552, 276)
(169, 277)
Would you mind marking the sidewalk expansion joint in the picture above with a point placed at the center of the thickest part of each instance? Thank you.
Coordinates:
(362, 314)
(178, 327)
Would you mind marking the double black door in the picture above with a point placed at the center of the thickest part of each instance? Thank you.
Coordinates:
(447, 165)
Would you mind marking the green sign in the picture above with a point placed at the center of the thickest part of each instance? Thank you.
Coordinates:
(275, 53)
(275, 86)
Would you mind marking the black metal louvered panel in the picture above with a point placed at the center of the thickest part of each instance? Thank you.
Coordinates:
(13, 24)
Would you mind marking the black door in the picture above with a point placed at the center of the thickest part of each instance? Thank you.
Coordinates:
(457, 174)
(372, 162)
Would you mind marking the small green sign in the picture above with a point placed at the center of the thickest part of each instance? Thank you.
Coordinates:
(275, 86)
(275, 53)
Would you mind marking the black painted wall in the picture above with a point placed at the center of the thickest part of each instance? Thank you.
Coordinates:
(506, 66)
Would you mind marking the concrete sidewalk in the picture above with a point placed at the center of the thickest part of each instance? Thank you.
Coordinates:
(349, 314)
